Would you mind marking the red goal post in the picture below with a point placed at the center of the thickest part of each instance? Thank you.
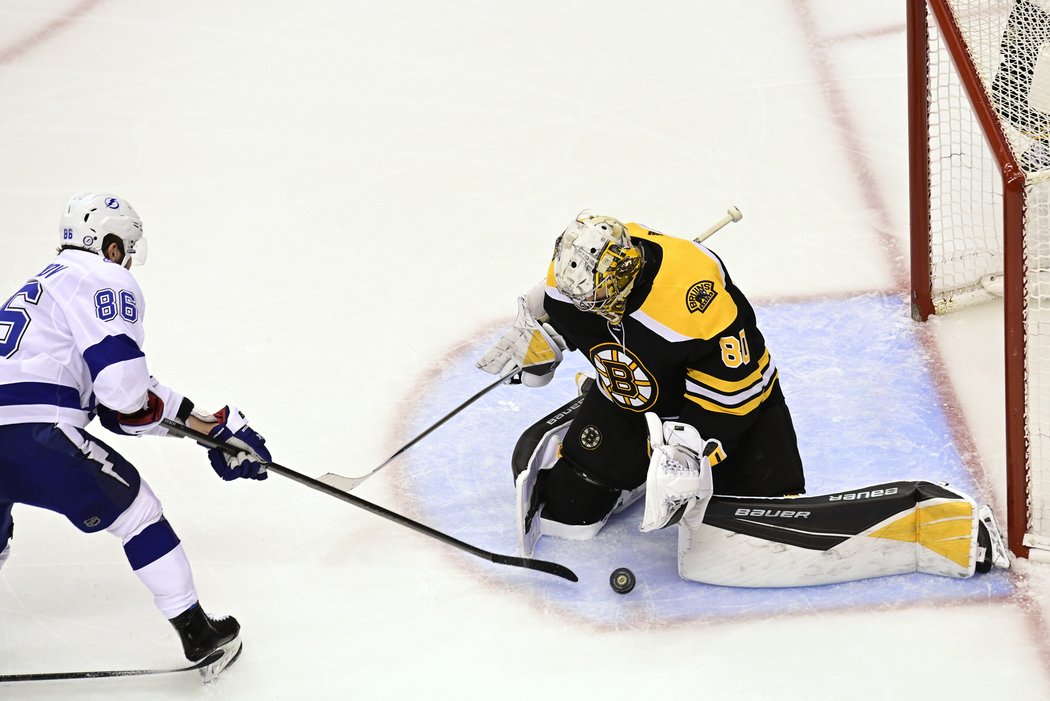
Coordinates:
(980, 210)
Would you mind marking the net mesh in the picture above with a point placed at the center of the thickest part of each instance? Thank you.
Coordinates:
(1005, 41)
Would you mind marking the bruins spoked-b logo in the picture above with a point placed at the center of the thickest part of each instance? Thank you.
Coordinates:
(590, 437)
(623, 379)
(699, 297)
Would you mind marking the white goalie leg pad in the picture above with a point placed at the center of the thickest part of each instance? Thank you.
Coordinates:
(530, 522)
(679, 475)
(4, 554)
(896, 528)
(529, 526)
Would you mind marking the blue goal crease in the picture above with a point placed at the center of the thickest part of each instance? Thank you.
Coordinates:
(866, 410)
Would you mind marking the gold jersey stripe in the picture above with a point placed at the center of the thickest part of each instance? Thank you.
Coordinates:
(738, 410)
(731, 386)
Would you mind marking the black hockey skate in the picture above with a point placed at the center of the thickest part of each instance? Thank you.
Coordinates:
(203, 635)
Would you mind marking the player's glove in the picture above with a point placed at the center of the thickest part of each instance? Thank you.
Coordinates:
(250, 462)
(160, 403)
(531, 346)
(679, 483)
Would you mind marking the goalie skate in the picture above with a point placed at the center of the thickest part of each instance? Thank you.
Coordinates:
(1000, 557)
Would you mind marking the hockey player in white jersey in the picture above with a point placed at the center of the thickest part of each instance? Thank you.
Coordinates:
(71, 342)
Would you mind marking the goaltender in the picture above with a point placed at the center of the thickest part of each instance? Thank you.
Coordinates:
(677, 355)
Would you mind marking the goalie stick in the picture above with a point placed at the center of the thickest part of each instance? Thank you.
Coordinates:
(527, 563)
(107, 673)
(732, 215)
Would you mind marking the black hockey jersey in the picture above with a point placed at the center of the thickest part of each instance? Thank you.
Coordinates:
(688, 346)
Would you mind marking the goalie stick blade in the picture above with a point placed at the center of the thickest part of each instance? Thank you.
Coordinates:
(108, 673)
(538, 565)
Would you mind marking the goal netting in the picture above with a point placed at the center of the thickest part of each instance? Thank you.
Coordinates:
(979, 115)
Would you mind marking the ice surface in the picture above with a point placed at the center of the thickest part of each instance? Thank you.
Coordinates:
(343, 200)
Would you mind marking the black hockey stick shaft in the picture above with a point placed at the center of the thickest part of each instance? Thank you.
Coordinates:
(351, 482)
(102, 674)
(528, 563)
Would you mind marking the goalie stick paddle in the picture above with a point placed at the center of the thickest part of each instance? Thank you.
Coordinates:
(106, 673)
(528, 563)
(348, 483)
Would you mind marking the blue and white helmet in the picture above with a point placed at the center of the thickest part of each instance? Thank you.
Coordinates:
(88, 217)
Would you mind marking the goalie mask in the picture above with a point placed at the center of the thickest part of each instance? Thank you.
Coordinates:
(89, 217)
(595, 265)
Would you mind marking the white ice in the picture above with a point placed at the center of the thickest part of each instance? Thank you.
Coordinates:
(342, 201)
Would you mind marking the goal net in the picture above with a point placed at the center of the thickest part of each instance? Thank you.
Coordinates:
(979, 116)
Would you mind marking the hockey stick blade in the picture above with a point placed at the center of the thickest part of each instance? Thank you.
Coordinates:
(341, 482)
(320, 486)
(538, 565)
(107, 673)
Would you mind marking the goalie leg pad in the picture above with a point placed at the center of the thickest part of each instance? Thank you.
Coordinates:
(527, 497)
(886, 529)
(600, 468)
(537, 450)
(565, 505)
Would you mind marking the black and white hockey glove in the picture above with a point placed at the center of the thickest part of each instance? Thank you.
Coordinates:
(679, 482)
(532, 346)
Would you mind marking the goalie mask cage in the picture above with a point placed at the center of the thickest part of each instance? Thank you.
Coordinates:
(980, 211)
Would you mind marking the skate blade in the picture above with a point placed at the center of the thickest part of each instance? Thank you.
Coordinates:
(230, 652)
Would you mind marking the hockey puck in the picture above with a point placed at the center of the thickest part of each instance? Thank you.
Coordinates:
(622, 580)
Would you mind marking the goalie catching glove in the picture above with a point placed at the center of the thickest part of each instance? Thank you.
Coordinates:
(250, 460)
(531, 346)
(679, 483)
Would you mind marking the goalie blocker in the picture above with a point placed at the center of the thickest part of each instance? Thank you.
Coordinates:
(885, 529)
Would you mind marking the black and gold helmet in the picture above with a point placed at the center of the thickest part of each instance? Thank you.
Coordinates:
(595, 265)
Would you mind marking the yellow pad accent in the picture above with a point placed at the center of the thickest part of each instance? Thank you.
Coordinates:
(945, 528)
(539, 351)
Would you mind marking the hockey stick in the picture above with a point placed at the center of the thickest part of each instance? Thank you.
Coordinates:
(348, 483)
(338, 481)
(528, 563)
(101, 674)
(732, 215)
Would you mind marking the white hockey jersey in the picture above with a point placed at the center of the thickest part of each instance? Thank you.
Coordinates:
(72, 338)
